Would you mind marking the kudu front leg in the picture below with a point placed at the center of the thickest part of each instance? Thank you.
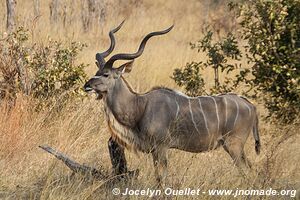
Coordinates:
(160, 166)
(117, 157)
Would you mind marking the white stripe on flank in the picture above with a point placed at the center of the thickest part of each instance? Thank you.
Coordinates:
(177, 112)
(225, 112)
(237, 112)
(193, 116)
(217, 113)
(245, 100)
(249, 109)
(205, 121)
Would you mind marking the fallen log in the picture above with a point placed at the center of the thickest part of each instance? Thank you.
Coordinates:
(85, 170)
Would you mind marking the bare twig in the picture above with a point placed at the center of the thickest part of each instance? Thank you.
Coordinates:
(86, 170)
(74, 166)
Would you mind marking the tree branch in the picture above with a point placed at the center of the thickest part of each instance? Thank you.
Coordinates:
(86, 170)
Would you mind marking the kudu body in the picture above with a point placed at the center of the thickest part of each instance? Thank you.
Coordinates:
(163, 118)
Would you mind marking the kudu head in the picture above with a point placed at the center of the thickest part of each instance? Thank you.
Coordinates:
(108, 74)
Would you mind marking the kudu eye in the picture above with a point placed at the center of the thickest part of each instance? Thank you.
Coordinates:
(105, 75)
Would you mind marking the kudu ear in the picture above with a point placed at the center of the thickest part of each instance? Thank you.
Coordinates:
(126, 68)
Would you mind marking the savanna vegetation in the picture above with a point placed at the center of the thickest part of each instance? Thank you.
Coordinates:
(47, 52)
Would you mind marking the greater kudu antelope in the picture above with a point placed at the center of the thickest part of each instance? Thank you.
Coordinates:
(116, 151)
(162, 118)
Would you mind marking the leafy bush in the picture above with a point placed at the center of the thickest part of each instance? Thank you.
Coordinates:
(219, 55)
(54, 70)
(272, 30)
(190, 78)
(42, 71)
(12, 59)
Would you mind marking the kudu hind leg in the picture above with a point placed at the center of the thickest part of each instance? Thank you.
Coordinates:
(160, 165)
(235, 149)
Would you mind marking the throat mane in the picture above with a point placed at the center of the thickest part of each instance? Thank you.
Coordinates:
(121, 133)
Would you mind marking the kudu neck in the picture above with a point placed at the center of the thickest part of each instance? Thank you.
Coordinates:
(124, 103)
(121, 91)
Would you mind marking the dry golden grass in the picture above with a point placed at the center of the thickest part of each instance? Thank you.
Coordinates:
(80, 131)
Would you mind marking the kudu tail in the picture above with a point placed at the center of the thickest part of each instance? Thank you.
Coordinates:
(256, 136)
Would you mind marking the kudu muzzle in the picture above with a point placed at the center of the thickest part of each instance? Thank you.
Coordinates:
(87, 87)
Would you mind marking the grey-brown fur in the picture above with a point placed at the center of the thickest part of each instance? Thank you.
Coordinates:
(162, 118)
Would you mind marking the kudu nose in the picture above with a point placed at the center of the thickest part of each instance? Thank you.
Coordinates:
(87, 87)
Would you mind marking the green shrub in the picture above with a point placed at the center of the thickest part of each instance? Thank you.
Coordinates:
(190, 78)
(54, 70)
(13, 75)
(272, 31)
(219, 54)
(44, 71)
